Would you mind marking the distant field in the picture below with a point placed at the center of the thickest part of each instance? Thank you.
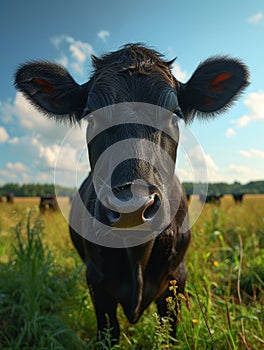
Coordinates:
(45, 304)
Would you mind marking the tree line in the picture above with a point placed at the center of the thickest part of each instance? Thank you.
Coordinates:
(252, 187)
(36, 190)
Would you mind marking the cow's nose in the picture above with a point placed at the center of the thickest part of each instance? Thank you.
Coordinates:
(127, 210)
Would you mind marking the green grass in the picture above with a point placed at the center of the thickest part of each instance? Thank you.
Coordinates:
(31, 291)
(45, 304)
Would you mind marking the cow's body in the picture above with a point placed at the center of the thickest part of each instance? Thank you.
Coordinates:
(10, 198)
(48, 201)
(136, 275)
(133, 276)
(211, 198)
(238, 197)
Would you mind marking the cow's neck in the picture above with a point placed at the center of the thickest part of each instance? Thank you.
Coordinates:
(139, 255)
(138, 258)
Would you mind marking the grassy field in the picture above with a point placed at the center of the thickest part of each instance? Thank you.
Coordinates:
(45, 304)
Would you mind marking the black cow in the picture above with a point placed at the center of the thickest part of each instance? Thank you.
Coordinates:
(238, 197)
(48, 201)
(136, 275)
(211, 198)
(10, 198)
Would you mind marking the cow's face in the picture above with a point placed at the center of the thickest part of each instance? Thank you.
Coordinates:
(132, 123)
(132, 103)
(132, 151)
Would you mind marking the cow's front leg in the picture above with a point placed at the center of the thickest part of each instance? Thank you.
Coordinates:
(108, 330)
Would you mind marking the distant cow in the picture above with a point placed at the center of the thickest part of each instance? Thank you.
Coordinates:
(112, 204)
(48, 202)
(188, 197)
(10, 197)
(211, 198)
(238, 197)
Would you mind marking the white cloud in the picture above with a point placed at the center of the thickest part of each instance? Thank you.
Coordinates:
(178, 73)
(258, 153)
(243, 121)
(198, 159)
(185, 175)
(245, 154)
(13, 141)
(41, 142)
(197, 166)
(57, 40)
(64, 61)
(73, 53)
(80, 50)
(244, 172)
(42, 137)
(62, 157)
(241, 169)
(49, 154)
(46, 177)
(17, 166)
(253, 152)
(213, 172)
(210, 163)
(28, 116)
(3, 135)
(255, 103)
(65, 164)
(7, 176)
(103, 34)
(35, 124)
(77, 53)
(256, 18)
(230, 132)
(16, 171)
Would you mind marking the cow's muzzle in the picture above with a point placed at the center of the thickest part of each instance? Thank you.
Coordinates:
(132, 206)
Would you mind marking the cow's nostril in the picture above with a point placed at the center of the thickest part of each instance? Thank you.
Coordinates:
(151, 210)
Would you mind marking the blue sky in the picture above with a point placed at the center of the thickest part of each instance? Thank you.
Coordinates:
(69, 31)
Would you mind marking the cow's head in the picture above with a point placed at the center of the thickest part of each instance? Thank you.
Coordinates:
(131, 77)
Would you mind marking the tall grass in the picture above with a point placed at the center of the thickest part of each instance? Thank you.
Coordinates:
(31, 292)
(45, 304)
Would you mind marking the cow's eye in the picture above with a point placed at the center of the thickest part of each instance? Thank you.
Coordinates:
(175, 119)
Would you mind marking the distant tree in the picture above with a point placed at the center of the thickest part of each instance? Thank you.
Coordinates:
(253, 187)
(11, 188)
(33, 190)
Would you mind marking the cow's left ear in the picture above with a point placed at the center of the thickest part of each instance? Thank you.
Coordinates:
(50, 88)
(215, 84)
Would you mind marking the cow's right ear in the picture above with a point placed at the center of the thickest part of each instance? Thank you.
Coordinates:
(52, 90)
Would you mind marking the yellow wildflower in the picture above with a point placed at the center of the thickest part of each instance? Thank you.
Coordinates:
(169, 299)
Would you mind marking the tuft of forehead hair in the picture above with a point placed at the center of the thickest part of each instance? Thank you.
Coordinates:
(134, 58)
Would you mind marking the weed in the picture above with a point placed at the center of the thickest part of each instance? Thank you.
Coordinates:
(30, 295)
(45, 304)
